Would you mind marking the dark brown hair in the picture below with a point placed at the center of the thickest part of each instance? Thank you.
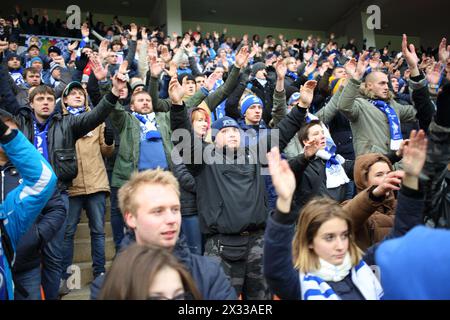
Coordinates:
(134, 270)
(42, 89)
(303, 133)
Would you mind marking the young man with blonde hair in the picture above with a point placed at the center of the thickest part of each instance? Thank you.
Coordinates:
(150, 203)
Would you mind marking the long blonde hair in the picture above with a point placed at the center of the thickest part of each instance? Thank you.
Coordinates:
(315, 213)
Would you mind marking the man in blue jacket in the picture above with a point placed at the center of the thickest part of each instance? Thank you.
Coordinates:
(150, 203)
(24, 203)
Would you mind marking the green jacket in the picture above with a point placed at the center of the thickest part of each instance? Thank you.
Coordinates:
(130, 135)
(212, 100)
(369, 125)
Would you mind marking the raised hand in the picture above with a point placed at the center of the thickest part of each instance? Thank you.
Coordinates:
(242, 57)
(311, 148)
(409, 52)
(71, 47)
(156, 68)
(350, 66)
(283, 179)
(165, 55)
(415, 153)
(100, 72)
(390, 183)
(361, 66)
(281, 69)
(307, 93)
(176, 91)
(444, 51)
(310, 68)
(434, 74)
(119, 81)
(60, 61)
(172, 71)
(211, 80)
(133, 31)
(103, 49)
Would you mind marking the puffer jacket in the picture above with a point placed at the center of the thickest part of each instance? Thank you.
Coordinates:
(370, 226)
(90, 149)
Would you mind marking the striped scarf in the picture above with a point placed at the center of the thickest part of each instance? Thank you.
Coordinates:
(316, 288)
(334, 171)
(149, 129)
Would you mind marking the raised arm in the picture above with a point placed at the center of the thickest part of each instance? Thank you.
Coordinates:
(436, 165)
(282, 278)
(346, 103)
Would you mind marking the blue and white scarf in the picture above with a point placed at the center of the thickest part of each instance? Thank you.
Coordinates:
(292, 75)
(394, 123)
(149, 127)
(76, 111)
(40, 137)
(334, 171)
(314, 285)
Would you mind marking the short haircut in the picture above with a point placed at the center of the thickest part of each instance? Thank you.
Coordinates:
(136, 93)
(127, 193)
(32, 70)
(371, 76)
(303, 133)
(313, 215)
(42, 89)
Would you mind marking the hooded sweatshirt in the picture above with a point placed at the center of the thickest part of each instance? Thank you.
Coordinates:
(378, 225)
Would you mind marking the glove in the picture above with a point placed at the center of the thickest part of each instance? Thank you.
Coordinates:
(109, 135)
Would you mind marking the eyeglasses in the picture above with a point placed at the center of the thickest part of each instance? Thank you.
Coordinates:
(181, 296)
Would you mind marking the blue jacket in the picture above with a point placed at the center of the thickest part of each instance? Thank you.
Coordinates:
(42, 231)
(24, 203)
(416, 266)
(208, 275)
(279, 271)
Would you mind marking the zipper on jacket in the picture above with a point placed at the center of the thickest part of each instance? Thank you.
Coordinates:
(3, 186)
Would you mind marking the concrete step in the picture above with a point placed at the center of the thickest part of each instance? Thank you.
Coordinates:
(81, 294)
(82, 250)
(83, 231)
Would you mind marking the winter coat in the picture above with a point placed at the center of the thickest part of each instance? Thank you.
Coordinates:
(207, 274)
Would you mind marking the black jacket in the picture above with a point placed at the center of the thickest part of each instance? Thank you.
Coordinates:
(49, 221)
(311, 181)
(208, 275)
(63, 131)
(188, 189)
(266, 95)
(231, 195)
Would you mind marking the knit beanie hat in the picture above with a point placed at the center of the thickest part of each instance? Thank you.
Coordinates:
(248, 102)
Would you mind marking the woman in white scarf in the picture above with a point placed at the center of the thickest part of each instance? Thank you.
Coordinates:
(324, 262)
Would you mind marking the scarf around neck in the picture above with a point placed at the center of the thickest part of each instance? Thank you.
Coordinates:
(394, 123)
(149, 127)
(334, 171)
(314, 285)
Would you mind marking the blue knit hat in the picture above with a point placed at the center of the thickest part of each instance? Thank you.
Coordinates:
(248, 102)
(224, 122)
(36, 59)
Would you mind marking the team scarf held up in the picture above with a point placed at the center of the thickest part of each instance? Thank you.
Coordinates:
(149, 129)
(335, 173)
(314, 285)
(394, 123)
